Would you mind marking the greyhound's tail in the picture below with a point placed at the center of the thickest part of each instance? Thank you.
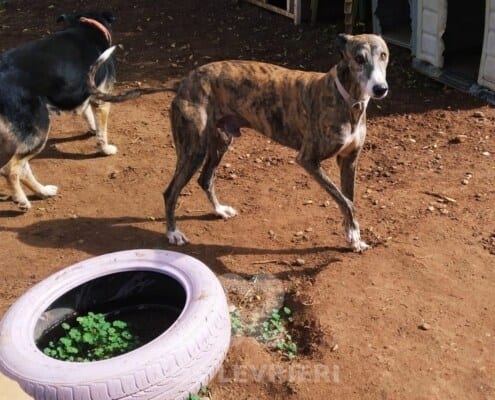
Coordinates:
(170, 86)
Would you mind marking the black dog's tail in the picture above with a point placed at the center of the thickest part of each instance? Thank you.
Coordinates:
(170, 86)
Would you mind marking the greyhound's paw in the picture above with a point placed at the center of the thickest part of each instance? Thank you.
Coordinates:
(225, 212)
(22, 202)
(177, 237)
(48, 191)
(108, 149)
(360, 246)
(354, 238)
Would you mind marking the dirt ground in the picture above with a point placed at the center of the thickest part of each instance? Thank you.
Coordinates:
(425, 201)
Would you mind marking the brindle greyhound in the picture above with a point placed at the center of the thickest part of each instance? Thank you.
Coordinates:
(320, 115)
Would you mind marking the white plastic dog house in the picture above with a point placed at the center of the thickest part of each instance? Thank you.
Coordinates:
(487, 67)
(452, 41)
(431, 24)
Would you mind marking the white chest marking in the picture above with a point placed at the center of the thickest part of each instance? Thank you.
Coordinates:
(354, 140)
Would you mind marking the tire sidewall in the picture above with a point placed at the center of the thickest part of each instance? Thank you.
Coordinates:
(21, 360)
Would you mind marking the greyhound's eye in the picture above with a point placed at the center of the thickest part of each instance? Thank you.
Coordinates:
(383, 56)
(360, 59)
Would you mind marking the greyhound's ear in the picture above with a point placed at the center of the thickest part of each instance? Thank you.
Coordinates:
(108, 16)
(341, 41)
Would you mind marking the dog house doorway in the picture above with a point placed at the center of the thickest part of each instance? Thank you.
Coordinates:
(393, 19)
(463, 38)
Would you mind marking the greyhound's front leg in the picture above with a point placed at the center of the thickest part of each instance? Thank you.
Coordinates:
(348, 165)
(353, 234)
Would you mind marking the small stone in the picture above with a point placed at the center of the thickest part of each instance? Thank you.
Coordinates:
(299, 233)
(308, 202)
(449, 199)
(478, 114)
(485, 153)
(431, 208)
(465, 181)
(425, 326)
(458, 139)
(335, 347)
(300, 261)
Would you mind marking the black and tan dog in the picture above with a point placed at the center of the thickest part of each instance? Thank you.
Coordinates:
(46, 75)
(319, 115)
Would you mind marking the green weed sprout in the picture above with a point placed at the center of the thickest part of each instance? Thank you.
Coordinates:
(92, 339)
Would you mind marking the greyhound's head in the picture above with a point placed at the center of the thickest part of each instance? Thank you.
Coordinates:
(366, 57)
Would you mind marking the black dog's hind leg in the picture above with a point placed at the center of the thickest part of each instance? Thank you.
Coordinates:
(90, 118)
(18, 148)
(100, 112)
(18, 170)
(8, 147)
(32, 183)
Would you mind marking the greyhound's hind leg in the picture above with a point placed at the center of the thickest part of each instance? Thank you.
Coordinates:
(218, 146)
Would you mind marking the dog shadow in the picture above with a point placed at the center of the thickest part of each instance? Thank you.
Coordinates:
(10, 213)
(98, 236)
(33, 198)
(52, 151)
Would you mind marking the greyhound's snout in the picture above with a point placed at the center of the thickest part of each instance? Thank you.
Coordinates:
(380, 91)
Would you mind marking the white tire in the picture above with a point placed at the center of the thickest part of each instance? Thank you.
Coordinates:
(176, 363)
